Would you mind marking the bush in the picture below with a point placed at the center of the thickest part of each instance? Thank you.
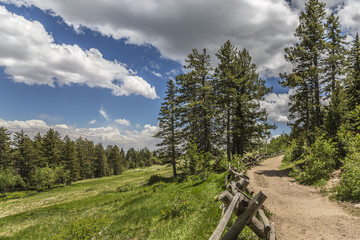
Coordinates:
(293, 151)
(197, 162)
(62, 176)
(319, 162)
(43, 177)
(349, 188)
(9, 181)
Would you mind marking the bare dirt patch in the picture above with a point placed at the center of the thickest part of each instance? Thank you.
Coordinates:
(301, 212)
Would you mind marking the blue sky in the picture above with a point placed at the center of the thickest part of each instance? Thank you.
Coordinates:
(100, 70)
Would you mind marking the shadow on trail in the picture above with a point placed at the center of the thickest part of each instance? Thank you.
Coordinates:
(274, 173)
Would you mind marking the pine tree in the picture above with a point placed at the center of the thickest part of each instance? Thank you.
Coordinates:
(38, 142)
(51, 147)
(334, 72)
(115, 160)
(133, 158)
(225, 90)
(353, 79)
(169, 124)
(101, 164)
(306, 58)
(5, 142)
(69, 158)
(195, 98)
(249, 119)
(240, 90)
(25, 155)
(90, 161)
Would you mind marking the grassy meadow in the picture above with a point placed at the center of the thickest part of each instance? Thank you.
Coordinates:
(126, 206)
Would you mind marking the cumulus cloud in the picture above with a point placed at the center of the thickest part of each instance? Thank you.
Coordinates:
(277, 106)
(122, 122)
(350, 16)
(106, 135)
(175, 27)
(300, 4)
(30, 55)
(92, 122)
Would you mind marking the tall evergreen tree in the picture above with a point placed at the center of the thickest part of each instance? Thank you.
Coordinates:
(353, 79)
(195, 98)
(115, 160)
(90, 161)
(51, 147)
(101, 164)
(5, 149)
(38, 142)
(133, 158)
(240, 90)
(225, 90)
(69, 158)
(306, 58)
(169, 126)
(249, 119)
(25, 155)
(334, 65)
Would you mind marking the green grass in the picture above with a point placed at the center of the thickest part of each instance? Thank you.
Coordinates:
(117, 207)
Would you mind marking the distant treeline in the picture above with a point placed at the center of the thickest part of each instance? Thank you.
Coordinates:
(45, 161)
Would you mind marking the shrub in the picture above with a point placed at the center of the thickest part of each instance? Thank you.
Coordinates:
(62, 176)
(349, 188)
(43, 177)
(319, 162)
(197, 162)
(293, 151)
(9, 181)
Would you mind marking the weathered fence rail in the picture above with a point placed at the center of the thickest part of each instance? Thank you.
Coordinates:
(236, 200)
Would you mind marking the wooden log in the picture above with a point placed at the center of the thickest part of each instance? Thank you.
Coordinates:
(226, 198)
(227, 179)
(233, 187)
(266, 222)
(225, 219)
(249, 190)
(272, 233)
(245, 217)
(255, 225)
(237, 175)
(242, 184)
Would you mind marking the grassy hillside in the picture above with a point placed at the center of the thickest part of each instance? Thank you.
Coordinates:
(117, 207)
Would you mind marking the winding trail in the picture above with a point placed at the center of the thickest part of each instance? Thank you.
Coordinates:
(300, 212)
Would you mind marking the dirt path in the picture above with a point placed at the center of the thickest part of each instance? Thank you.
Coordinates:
(300, 212)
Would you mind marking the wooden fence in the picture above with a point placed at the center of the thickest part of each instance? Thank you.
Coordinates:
(249, 211)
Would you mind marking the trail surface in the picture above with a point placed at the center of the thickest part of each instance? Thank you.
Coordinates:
(300, 212)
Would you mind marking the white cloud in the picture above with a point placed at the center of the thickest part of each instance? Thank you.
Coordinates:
(92, 122)
(122, 122)
(30, 55)
(105, 135)
(175, 27)
(277, 106)
(103, 113)
(350, 16)
(156, 74)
